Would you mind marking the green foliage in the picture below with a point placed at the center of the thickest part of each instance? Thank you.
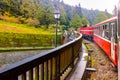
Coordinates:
(90, 14)
(33, 21)
(6, 17)
(22, 35)
(28, 8)
(100, 17)
(21, 28)
(26, 40)
(76, 21)
(42, 12)
(84, 21)
(63, 19)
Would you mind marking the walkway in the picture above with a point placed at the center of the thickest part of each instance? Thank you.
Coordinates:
(79, 71)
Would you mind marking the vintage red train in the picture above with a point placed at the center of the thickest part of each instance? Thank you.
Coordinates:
(105, 35)
(87, 32)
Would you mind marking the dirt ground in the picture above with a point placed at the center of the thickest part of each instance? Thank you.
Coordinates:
(102, 64)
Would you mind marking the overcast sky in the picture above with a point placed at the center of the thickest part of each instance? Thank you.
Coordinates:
(95, 4)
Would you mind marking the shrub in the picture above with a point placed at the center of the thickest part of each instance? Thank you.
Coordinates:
(21, 19)
(31, 21)
(27, 40)
(9, 19)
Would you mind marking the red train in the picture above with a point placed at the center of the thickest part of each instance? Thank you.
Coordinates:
(105, 35)
(87, 32)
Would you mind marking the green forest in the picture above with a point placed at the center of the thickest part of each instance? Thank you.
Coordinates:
(21, 18)
(40, 12)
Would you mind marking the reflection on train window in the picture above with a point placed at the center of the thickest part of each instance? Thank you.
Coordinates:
(103, 30)
(107, 34)
(96, 30)
(99, 31)
(114, 31)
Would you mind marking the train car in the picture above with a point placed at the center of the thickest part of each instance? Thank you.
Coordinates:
(105, 35)
(87, 32)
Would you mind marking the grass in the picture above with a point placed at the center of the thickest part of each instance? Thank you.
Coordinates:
(9, 27)
(21, 28)
(24, 48)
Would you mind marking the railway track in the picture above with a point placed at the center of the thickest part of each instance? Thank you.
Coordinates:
(102, 64)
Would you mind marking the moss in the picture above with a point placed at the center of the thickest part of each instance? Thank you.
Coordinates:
(93, 63)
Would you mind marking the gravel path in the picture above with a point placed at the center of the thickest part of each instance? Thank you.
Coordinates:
(103, 65)
(7, 58)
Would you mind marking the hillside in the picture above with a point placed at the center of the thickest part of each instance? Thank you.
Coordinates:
(90, 14)
(14, 35)
(21, 28)
(40, 12)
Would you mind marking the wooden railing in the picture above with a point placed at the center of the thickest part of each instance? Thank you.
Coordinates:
(54, 64)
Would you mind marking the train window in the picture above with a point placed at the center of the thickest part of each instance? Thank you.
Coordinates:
(100, 28)
(102, 31)
(105, 26)
(95, 30)
(107, 35)
(114, 31)
(111, 31)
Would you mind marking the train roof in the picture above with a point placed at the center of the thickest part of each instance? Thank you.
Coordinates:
(108, 20)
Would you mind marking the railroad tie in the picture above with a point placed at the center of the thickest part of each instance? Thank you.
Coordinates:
(90, 50)
(90, 69)
(86, 43)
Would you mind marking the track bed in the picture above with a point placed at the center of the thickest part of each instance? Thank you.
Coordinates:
(102, 64)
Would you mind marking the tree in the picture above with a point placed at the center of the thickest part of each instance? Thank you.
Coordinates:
(100, 17)
(47, 16)
(76, 21)
(79, 10)
(28, 8)
(84, 21)
(107, 14)
(4, 6)
(115, 11)
(63, 18)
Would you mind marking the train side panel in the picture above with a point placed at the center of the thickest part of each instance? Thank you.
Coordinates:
(105, 36)
(105, 45)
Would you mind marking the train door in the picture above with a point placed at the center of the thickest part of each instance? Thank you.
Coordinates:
(112, 25)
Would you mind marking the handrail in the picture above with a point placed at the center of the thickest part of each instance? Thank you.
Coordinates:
(49, 65)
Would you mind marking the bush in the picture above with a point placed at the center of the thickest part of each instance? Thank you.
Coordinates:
(31, 21)
(21, 19)
(27, 40)
(9, 19)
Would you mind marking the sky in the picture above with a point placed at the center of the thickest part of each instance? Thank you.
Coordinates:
(95, 4)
